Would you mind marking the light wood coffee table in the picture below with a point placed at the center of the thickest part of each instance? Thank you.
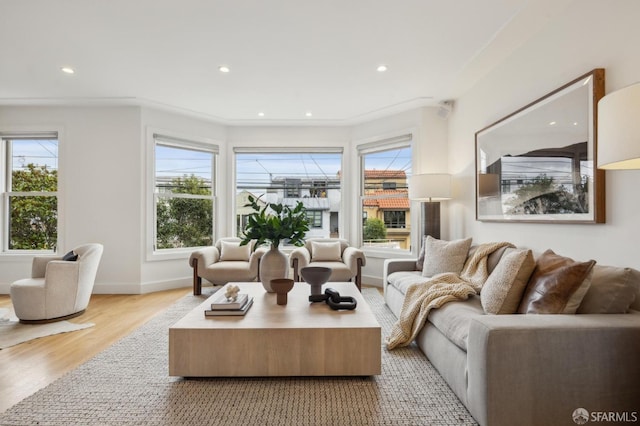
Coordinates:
(297, 339)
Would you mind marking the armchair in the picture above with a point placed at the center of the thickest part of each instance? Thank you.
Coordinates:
(346, 262)
(58, 289)
(225, 261)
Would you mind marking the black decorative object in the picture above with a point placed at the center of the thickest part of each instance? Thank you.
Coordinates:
(334, 300)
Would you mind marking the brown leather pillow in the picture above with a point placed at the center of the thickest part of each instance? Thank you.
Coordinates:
(557, 285)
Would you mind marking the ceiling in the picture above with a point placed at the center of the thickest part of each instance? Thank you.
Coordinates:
(286, 57)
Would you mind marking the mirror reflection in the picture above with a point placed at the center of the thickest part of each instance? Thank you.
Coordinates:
(538, 163)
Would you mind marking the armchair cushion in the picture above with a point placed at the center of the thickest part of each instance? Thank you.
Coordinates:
(232, 250)
(326, 252)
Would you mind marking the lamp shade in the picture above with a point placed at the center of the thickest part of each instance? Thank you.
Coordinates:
(430, 187)
(619, 129)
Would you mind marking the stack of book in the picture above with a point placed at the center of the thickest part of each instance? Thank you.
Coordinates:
(222, 306)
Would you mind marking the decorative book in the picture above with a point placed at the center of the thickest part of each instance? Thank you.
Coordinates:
(221, 302)
(225, 312)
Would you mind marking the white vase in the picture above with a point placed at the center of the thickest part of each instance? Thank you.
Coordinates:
(273, 264)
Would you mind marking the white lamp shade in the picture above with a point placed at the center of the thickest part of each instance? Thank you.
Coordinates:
(430, 187)
(619, 129)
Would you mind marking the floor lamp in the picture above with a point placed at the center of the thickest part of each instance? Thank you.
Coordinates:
(430, 188)
(619, 129)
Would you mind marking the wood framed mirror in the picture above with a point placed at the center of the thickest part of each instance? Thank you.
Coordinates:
(538, 164)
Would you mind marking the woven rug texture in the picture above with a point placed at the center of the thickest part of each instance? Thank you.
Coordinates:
(13, 332)
(128, 384)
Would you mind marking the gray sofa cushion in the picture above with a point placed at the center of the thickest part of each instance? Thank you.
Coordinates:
(403, 279)
(613, 290)
(453, 319)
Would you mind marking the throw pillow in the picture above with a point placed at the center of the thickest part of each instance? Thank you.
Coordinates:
(557, 286)
(232, 250)
(70, 257)
(442, 256)
(326, 251)
(613, 290)
(502, 292)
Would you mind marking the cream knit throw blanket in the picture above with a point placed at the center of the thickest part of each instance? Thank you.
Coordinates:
(438, 290)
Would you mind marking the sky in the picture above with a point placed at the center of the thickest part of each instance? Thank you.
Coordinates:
(42, 152)
(255, 170)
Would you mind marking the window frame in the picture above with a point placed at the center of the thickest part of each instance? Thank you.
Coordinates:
(172, 139)
(400, 140)
(301, 149)
(6, 171)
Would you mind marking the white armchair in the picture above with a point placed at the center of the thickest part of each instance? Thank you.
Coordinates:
(225, 262)
(58, 289)
(346, 262)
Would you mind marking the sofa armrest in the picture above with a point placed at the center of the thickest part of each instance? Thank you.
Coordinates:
(539, 368)
(298, 259)
(350, 257)
(396, 265)
(205, 256)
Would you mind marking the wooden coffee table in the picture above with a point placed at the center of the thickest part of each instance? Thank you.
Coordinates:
(297, 339)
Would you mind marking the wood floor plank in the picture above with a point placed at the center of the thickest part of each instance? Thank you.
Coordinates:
(30, 366)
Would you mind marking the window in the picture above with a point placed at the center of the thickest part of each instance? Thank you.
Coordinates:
(394, 219)
(385, 169)
(311, 176)
(184, 193)
(315, 218)
(30, 192)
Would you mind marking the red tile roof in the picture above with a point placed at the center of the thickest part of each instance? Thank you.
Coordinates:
(401, 202)
(385, 174)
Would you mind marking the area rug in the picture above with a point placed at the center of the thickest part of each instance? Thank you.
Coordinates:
(128, 384)
(13, 332)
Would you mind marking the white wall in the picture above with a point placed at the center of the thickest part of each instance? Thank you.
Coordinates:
(99, 161)
(162, 272)
(590, 34)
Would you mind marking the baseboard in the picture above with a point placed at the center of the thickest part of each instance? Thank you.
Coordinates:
(141, 288)
(372, 280)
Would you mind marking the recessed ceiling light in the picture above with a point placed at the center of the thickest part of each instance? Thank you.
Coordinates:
(308, 114)
(575, 123)
(67, 70)
(381, 68)
(224, 68)
(261, 114)
(552, 123)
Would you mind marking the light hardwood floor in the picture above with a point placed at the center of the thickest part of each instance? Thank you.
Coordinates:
(30, 366)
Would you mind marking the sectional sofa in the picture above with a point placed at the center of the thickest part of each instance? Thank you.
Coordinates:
(534, 369)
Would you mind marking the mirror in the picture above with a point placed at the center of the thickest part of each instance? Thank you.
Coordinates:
(538, 163)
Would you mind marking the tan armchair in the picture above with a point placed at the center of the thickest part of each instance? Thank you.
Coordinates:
(58, 289)
(225, 261)
(346, 262)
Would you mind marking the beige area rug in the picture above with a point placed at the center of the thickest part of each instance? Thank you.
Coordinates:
(13, 333)
(128, 384)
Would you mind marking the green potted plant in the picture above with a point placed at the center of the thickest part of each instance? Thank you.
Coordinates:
(271, 224)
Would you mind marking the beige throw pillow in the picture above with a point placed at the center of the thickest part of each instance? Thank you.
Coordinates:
(232, 250)
(613, 289)
(442, 256)
(502, 292)
(326, 252)
(557, 286)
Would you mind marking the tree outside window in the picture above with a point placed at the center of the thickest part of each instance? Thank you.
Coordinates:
(184, 197)
(31, 193)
